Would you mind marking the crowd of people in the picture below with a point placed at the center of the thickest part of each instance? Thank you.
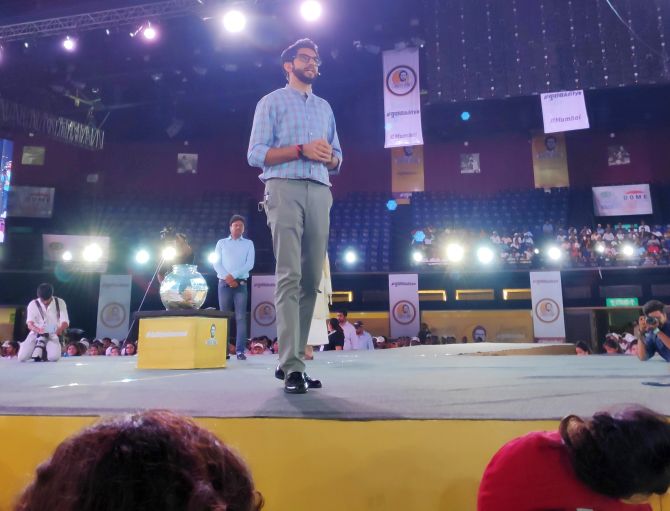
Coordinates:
(621, 244)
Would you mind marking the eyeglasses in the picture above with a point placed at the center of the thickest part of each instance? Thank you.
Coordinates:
(308, 58)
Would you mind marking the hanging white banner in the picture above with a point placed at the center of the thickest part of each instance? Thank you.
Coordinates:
(564, 111)
(402, 100)
(547, 299)
(404, 304)
(622, 200)
(263, 312)
(113, 306)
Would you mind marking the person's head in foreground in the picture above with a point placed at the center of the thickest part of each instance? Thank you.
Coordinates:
(612, 459)
(581, 348)
(155, 460)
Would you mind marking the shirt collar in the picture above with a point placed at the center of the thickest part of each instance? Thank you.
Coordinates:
(238, 239)
(299, 93)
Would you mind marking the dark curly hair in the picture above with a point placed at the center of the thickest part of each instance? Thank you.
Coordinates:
(622, 454)
(143, 462)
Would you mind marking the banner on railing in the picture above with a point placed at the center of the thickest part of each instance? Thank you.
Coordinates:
(113, 306)
(404, 311)
(547, 299)
(31, 202)
(263, 312)
(622, 200)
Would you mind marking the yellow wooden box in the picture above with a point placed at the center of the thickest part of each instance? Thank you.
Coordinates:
(182, 342)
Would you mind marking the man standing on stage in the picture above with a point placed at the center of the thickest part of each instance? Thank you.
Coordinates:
(234, 260)
(294, 141)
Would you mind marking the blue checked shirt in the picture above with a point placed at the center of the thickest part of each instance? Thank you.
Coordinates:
(286, 117)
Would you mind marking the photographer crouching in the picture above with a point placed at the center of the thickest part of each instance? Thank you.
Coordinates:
(654, 332)
(47, 319)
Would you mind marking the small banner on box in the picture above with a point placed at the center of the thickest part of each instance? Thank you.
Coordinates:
(113, 306)
(402, 100)
(564, 111)
(406, 172)
(547, 299)
(404, 313)
(263, 312)
(622, 200)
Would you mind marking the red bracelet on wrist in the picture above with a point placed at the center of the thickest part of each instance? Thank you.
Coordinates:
(298, 149)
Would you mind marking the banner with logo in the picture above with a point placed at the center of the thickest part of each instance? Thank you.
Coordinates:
(547, 299)
(31, 202)
(404, 304)
(263, 312)
(564, 111)
(550, 161)
(402, 100)
(406, 172)
(113, 306)
(622, 200)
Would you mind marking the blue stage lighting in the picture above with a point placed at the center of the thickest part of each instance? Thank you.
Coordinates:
(392, 205)
(465, 116)
(419, 236)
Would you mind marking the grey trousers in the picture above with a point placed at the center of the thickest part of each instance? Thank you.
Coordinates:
(298, 214)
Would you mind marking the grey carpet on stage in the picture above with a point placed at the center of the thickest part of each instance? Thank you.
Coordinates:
(423, 382)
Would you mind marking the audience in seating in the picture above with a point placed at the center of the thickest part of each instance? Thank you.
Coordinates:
(155, 460)
(10, 350)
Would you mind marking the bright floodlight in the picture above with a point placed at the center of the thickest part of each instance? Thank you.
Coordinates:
(169, 253)
(149, 32)
(67, 256)
(485, 255)
(69, 44)
(142, 256)
(311, 10)
(417, 256)
(350, 257)
(600, 248)
(455, 252)
(554, 253)
(213, 257)
(628, 250)
(92, 253)
(234, 21)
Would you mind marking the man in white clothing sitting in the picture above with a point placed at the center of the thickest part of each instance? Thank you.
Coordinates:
(47, 319)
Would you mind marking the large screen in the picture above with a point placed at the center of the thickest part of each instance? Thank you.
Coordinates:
(6, 150)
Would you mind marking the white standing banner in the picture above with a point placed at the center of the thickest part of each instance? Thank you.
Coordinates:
(622, 200)
(547, 299)
(263, 312)
(564, 111)
(402, 99)
(404, 304)
(113, 306)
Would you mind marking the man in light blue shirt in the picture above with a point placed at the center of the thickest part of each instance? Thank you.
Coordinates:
(294, 141)
(233, 262)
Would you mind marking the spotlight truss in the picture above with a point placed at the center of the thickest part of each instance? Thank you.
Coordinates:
(109, 18)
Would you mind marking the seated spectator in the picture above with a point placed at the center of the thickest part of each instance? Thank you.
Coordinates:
(93, 350)
(129, 349)
(113, 343)
(114, 351)
(73, 349)
(258, 347)
(275, 346)
(424, 332)
(10, 350)
(155, 460)
(612, 462)
(611, 345)
(581, 348)
(380, 342)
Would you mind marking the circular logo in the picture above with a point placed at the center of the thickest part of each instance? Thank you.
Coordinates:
(113, 315)
(404, 312)
(547, 310)
(265, 313)
(401, 80)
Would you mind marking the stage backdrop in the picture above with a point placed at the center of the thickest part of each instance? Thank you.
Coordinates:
(404, 304)
(406, 172)
(550, 161)
(263, 313)
(547, 299)
(113, 306)
(402, 101)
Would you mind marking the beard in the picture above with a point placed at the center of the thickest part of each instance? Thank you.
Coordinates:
(300, 75)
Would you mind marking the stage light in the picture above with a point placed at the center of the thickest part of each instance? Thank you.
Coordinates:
(628, 250)
(169, 253)
(213, 257)
(392, 205)
(417, 256)
(350, 256)
(142, 256)
(455, 252)
(26, 44)
(485, 255)
(419, 236)
(554, 253)
(67, 256)
(149, 32)
(536, 251)
(311, 10)
(92, 253)
(600, 248)
(465, 116)
(69, 44)
(234, 21)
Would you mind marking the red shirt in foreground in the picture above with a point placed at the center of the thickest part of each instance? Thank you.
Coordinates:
(533, 473)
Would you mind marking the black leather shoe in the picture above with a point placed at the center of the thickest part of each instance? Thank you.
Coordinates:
(295, 384)
(241, 356)
(312, 384)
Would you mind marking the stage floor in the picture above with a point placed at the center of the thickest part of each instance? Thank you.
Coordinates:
(423, 382)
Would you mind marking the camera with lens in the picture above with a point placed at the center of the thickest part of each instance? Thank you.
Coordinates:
(40, 348)
(651, 321)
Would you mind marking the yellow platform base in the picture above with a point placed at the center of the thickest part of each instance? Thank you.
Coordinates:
(345, 465)
(182, 342)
